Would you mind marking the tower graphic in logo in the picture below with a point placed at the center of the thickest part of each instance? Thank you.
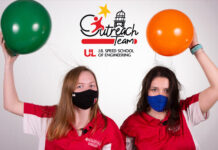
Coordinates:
(120, 19)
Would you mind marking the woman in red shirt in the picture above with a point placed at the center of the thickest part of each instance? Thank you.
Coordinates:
(75, 123)
(161, 121)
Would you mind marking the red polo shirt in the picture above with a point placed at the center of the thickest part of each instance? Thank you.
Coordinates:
(144, 132)
(37, 119)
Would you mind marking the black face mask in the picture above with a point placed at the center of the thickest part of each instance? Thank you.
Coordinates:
(85, 99)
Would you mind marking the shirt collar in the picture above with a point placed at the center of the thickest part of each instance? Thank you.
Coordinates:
(153, 121)
(96, 120)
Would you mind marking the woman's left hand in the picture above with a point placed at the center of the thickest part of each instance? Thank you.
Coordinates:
(194, 40)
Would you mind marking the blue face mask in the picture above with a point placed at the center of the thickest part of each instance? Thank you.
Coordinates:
(158, 102)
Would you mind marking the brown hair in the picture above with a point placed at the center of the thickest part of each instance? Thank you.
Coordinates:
(172, 106)
(64, 116)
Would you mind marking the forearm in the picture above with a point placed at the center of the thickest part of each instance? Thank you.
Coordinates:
(208, 67)
(11, 100)
(209, 96)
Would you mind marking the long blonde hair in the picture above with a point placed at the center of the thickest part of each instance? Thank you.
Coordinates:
(64, 116)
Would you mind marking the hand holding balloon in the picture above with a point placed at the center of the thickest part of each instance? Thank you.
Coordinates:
(8, 58)
(194, 40)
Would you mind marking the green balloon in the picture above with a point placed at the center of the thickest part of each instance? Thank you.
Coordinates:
(26, 26)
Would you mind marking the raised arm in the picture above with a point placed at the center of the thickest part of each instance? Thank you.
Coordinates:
(10, 98)
(209, 96)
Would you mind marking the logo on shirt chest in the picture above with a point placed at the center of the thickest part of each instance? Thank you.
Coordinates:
(93, 142)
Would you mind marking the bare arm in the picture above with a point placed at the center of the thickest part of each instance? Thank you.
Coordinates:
(10, 98)
(209, 96)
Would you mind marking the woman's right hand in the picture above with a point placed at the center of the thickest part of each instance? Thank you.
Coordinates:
(8, 58)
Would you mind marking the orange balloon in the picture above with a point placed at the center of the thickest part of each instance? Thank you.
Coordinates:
(170, 32)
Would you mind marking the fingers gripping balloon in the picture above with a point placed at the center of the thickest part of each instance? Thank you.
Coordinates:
(26, 26)
(169, 32)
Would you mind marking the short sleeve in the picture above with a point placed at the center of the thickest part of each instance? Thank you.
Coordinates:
(114, 140)
(191, 108)
(36, 118)
(130, 129)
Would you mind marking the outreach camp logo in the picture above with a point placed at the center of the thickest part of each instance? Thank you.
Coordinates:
(116, 33)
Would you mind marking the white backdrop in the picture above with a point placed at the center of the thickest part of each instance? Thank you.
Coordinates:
(38, 76)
